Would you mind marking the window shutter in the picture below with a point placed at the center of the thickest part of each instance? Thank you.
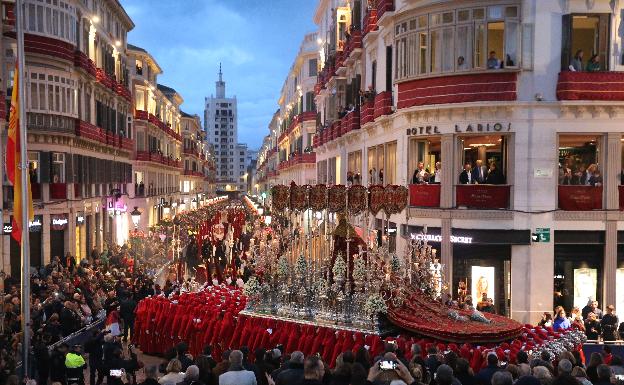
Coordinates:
(69, 168)
(46, 166)
(566, 41)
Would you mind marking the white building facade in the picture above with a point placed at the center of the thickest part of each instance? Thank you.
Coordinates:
(221, 126)
(485, 82)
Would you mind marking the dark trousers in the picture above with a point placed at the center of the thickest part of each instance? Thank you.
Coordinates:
(128, 328)
(96, 367)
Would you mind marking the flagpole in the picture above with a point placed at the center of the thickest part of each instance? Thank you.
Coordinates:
(19, 25)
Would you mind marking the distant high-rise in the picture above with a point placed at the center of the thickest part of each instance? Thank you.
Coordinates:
(221, 125)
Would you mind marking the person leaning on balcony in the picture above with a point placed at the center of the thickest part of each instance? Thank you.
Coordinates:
(494, 175)
(577, 61)
(437, 174)
(479, 172)
(421, 176)
(593, 65)
(592, 327)
(466, 176)
(609, 324)
(493, 63)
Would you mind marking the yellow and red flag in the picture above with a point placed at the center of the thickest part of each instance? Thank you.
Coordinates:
(13, 160)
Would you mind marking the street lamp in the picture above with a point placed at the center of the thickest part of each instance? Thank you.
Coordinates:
(136, 216)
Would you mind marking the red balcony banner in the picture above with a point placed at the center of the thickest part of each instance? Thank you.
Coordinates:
(590, 86)
(483, 196)
(620, 193)
(424, 195)
(580, 198)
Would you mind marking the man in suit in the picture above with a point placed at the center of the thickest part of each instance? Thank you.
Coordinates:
(466, 176)
(479, 173)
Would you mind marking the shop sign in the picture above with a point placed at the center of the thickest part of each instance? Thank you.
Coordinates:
(483, 127)
(59, 222)
(438, 238)
(80, 219)
(34, 226)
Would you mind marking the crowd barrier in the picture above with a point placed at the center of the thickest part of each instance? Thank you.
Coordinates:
(617, 348)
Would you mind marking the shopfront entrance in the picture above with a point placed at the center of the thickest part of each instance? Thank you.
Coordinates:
(481, 262)
(579, 268)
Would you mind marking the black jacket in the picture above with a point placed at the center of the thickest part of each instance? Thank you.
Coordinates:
(609, 325)
(463, 178)
(292, 375)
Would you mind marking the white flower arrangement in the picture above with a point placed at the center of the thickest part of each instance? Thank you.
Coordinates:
(339, 268)
(359, 269)
(375, 305)
(322, 286)
(395, 264)
(301, 267)
(283, 267)
(252, 287)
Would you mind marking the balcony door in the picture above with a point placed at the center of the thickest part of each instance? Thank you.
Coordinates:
(588, 33)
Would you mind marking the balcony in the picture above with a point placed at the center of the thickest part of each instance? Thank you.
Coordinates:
(354, 43)
(193, 173)
(58, 191)
(77, 190)
(383, 104)
(604, 86)
(367, 112)
(155, 157)
(384, 6)
(482, 196)
(82, 61)
(48, 46)
(370, 22)
(103, 78)
(424, 195)
(89, 131)
(478, 87)
(580, 198)
(350, 122)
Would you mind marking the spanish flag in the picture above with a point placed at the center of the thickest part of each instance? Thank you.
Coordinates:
(13, 160)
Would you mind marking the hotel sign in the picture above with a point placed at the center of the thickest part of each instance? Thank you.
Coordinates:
(459, 128)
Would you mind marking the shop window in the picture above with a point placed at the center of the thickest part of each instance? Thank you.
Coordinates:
(483, 159)
(578, 275)
(585, 35)
(321, 171)
(424, 161)
(58, 167)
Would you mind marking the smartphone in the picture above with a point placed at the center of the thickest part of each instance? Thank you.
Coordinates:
(116, 373)
(387, 365)
(619, 377)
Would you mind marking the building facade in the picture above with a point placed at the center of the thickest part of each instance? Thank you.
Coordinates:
(287, 154)
(101, 131)
(441, 87)
(221, 126)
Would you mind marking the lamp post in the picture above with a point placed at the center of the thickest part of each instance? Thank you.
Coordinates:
(136, 216)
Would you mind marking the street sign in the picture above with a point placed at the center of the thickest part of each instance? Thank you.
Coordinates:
(541, 234)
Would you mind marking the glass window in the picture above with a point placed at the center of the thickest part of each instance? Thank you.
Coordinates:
(33, 166)
(58, 167)
(495, 44)
(484, 157)
(424, 161)
(464, 47)
(354, 168)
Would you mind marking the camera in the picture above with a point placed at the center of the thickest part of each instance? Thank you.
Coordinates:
(387, 365)
(116, 372)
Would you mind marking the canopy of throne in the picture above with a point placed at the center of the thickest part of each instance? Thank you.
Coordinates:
(420, 314)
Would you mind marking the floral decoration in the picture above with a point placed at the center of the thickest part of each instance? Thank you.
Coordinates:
(283, 267)
(280, 197)
(317, 197)
(359, 269)
(252, 287)
(375, 199)
(337, 198)
(357, 199)
(301, 267)
(339, 269)
(298, 197)
(374, 305)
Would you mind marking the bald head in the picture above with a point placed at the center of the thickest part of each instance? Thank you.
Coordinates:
(236, 357)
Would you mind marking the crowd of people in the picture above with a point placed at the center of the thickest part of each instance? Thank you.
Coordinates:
(68, 296)
(391, 367)
(594, 322)
(576, 172)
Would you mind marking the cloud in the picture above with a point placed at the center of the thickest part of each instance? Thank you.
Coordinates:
(255, 40)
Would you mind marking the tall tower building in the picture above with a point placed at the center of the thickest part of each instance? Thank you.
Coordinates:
(221, 125)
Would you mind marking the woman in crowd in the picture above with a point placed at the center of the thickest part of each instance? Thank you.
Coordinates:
(592, 327)
(174, 373)
(594, 361)
(561, 322)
